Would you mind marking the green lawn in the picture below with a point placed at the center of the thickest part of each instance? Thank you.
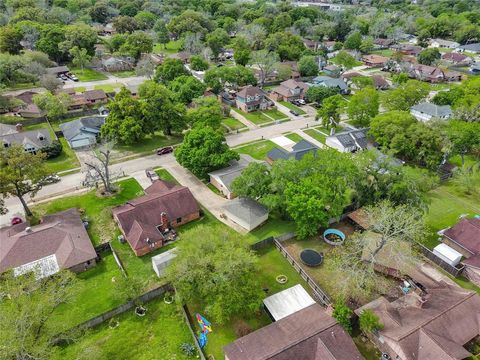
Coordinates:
(233, 123)
(171, 47)
(80, 89)
(67, 160)
(98, 210)
(88, 74)
(384, 52)
(316, 135)
(165, 175)
(148, 144)
(335, 61)
(326, 130)
(123, 74)
(292, 107)
(258, 150)
(275, 114)
(447, 203)
(157, 335)
(108, 87)
(256, 117)
(294, 137)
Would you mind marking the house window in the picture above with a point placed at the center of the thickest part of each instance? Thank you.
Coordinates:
(179, 220)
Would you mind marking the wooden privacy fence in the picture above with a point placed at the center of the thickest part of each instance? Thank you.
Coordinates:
(318, 293)
(452, 270)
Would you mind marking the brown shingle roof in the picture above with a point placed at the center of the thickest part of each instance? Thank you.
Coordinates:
(436, 329)
(140, 217)
(308, 334)
(94, 95)
(250, 91)
(286, 87)
(62, 234)
(466, 233)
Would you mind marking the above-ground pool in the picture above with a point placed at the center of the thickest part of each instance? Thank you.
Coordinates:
(311, 257)
(334, 237)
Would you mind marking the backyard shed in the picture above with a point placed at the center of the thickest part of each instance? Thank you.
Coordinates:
(447, 254)
(245, 212)
(161, 261)
(287, 302)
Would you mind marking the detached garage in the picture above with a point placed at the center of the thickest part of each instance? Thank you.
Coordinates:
(245, 212)
(447, 254)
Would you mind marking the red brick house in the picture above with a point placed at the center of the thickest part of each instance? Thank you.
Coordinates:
(146, 222)
(95, 96)
(289, 90)
(374, 60)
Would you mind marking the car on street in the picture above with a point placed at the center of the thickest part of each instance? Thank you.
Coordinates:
(294, 112)
(51, 179)
(151, 174)
(16, 220)
(165, 150)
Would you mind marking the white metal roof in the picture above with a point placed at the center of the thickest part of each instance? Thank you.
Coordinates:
(448, 254)
(288, 301)
(164, 257)
(43, 267)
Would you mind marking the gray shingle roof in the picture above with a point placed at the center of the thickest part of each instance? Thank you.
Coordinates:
(471, 47)
(88, 124)
(39, 138)
(230, 173)
(246, 209)
(433, 110)
(330, 82)
(298, 151)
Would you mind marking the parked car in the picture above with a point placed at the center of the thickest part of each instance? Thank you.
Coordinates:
(51, 179)
(294, 112)
(165, 150)
(16, 220)
(152, 175)
(63, 77)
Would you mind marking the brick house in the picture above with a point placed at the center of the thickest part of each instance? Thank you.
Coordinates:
(95, 96)
(147, 222)
(374, 60)
(289, 90)
(251, 98)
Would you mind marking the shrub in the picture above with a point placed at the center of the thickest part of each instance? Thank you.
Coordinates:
(342, 313)
(369, 322)
(53, 150)
(188, 349)
(197, 63)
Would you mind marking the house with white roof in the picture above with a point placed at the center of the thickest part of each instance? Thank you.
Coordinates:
(426, 111)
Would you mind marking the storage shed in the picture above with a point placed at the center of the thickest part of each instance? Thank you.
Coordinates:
(287, 302)
(447, 254)
(161, 261)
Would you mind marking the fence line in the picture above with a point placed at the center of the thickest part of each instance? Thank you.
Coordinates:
(188, 317)
(117, 260)
(452, 270)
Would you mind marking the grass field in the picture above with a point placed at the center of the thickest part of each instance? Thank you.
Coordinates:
(98, 210)
(293, 107)
(165, 175)
(148, 144)
(258, 150)
(88, 74)
(233, 123)
(171, 47)
(108, 87)
(65, 161)
(275, 114)
(157, 335)
(316, 135)
(123, 74)
(294, 137)
(255, 117)
(326, 130)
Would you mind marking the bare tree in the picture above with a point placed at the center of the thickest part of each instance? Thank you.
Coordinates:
(265, 61)
(98, 169)
(145, 67)
(50, 82)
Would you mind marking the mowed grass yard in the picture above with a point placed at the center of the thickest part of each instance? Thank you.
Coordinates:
(88, 74)
(233, 124)
(257, 150)
(172, 47)
(157, 335)
(98, 210)
(316, 135)
(149, 144)
(293, 107)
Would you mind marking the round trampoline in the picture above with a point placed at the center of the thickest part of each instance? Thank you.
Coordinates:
(311, 257)
(334, 237)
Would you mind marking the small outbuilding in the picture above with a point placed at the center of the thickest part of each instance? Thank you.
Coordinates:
(447, 254)
(246, 212)
(287, 302)
(161, 261)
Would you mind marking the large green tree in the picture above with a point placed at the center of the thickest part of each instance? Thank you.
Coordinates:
(22, 173)
(330, 111)
(169, 70)
(216, 269)
(54, 106)
(428, 56)
(464, 137)
(363, 106)
(186, 88)
(254, 182)
(237, 76)
(204, 150)
(80, 57)
(137, 43)
(405, 95)
(10, 38)
(216, 40)
(317, 94)
(308, 66)
(206, 111)
(265, 61)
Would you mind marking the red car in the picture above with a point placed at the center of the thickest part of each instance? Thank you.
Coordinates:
(165, 150)
(16, 220)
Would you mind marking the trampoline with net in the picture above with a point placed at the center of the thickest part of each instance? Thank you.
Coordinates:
(311, 257)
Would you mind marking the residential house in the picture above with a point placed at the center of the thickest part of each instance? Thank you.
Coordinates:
(293, 66)
(407, 49)
(58, 70)
(95, 96)
(464, 237)
(427, 73)
(440, 43)
(82, 133)
(374, 61)
(380, 83)
(312, 44)
(308, 334)
(332, 70)
(299, 150)
(251, 98)
(246, 212)
(78, 102)
(348, 76)
(105, 30)
(117, 63)
(289, 90)
(222, 179)
(27, 109)
(426, 111)
(329, 45)
(475, 68)
(147, 222)
(183, 56)
(331, 83)
(427, 323)
(32, 141)
(383, 43)
(59, 242)
(457, 59)
(473, 48)
(348, 141)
